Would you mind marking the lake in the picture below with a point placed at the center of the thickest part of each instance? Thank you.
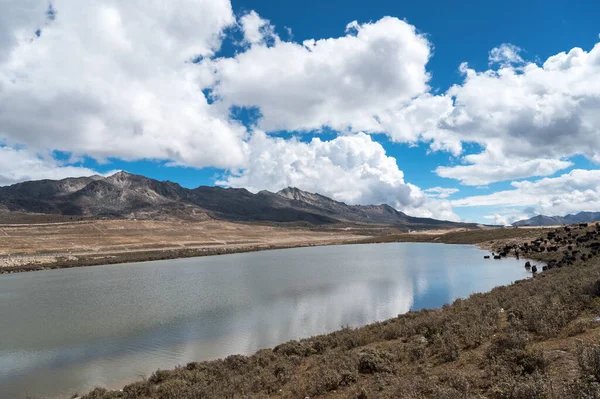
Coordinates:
(66, 331)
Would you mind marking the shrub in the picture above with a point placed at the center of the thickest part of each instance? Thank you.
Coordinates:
(101, 393)
(509, 353)
(159, 376)
(526, 387)
(139, 389)
(236, 362)
(374, 361)
(174, 389)
(293, 348)
(583, 388)
(447, 347)
(589, 361)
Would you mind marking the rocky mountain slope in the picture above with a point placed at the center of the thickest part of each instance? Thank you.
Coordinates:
(541, 220)
(124, 195)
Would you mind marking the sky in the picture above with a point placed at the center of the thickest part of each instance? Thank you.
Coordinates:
(486, 112)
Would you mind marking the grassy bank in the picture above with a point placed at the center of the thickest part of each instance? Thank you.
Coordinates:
(537, 338)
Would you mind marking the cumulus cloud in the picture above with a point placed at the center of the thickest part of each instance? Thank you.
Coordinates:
(17, 165)
(549, 110)
(353, 169)
(576, 191)
(530, 118)
(115, 79)
(345, 83)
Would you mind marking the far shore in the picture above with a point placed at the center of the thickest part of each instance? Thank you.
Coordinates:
(38, 247)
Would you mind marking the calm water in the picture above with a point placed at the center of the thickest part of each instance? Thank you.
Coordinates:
(70, 330)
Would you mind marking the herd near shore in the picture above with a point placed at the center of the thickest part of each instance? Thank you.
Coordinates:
(569, 243)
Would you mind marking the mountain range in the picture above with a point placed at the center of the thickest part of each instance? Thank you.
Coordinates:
(541, 220)
(125, 195)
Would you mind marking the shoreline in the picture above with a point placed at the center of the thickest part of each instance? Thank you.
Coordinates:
(150, 256)
(71, 260)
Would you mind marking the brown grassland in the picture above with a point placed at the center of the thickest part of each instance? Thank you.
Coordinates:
(537, 338)
(39, 246)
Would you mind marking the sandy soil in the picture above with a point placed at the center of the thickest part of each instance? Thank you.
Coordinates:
(44, 243)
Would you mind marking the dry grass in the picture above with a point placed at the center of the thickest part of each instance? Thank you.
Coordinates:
(68, 244)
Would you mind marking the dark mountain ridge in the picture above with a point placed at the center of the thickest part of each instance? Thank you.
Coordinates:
(541, 220)
(124, 195)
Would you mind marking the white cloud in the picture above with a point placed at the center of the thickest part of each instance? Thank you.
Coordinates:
(354, 169)
(418, 120)
(17, 165)
(348, 82)
(18, 23)
(576, 191)
(256, 29)
(528, 118)
(440, 192)
(505, 219)
(488, 167)
(113, 79)
(505, 55)
(549, 111)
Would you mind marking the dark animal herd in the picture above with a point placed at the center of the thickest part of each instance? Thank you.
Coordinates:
(578, 242)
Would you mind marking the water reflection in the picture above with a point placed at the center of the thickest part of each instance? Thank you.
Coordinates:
(70, 330)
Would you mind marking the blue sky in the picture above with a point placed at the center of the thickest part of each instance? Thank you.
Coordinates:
(510, 119)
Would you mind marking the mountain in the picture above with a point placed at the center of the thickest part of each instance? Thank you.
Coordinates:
(124, 195)
(541, 220)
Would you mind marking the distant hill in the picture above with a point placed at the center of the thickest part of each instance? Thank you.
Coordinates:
(541, 220)
(124, 195)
